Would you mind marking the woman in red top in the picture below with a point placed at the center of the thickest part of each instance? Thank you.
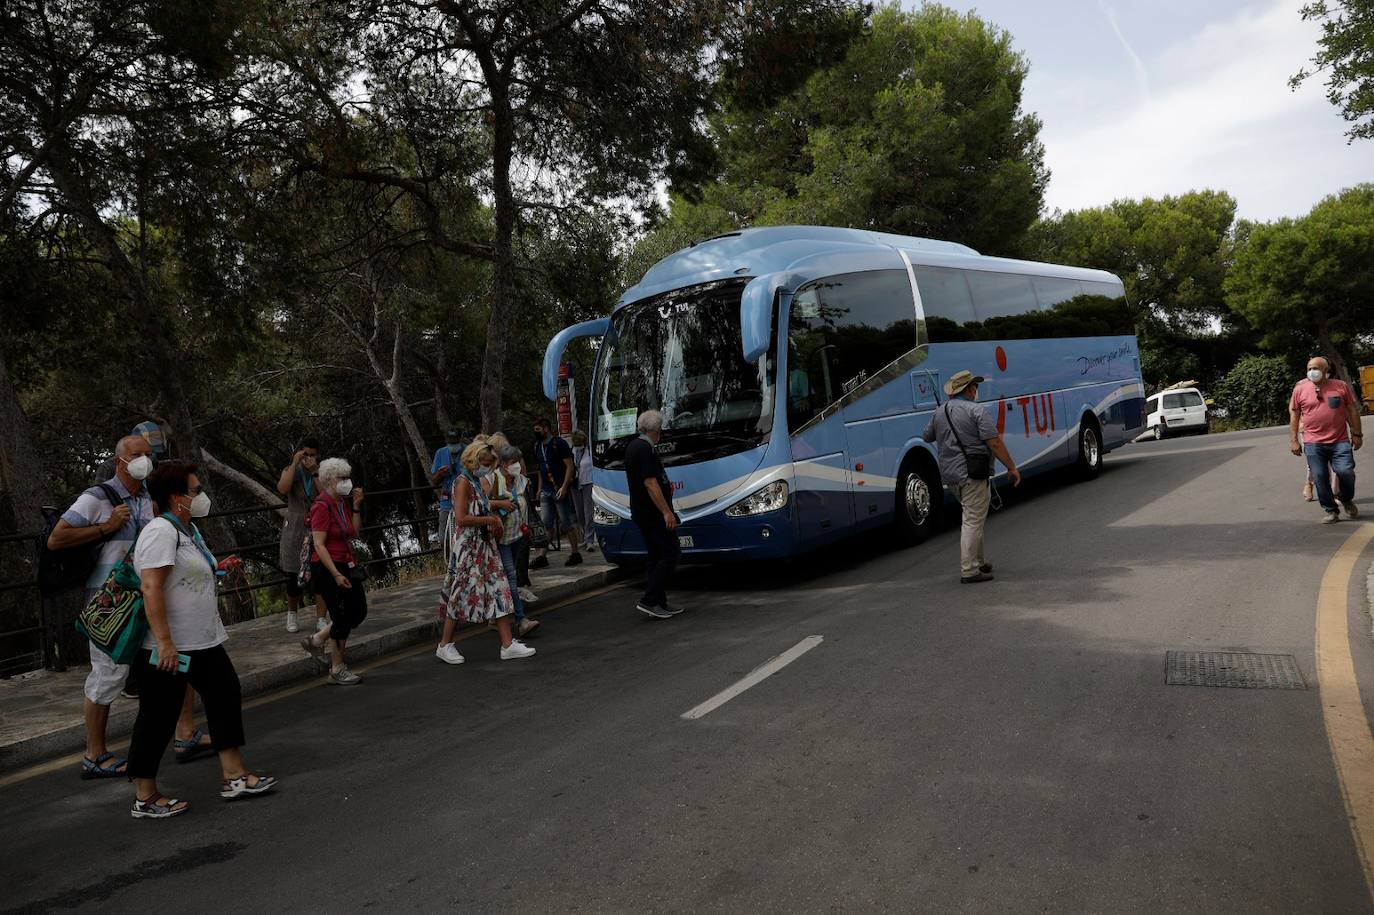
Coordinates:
(338, 578)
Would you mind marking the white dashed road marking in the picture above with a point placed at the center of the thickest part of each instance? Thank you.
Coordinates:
(759, 674)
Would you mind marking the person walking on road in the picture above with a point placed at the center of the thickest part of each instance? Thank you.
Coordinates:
(298, 485)
(557, 475)
(476, 589)
(582, 495)
(510, 490)
(184, 647)
(967, 440)
(336, 519)
(114, 514)
(651, 509)
(1324, 426)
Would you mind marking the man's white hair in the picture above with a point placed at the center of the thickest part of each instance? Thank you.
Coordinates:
(334, 469)
(650, 421)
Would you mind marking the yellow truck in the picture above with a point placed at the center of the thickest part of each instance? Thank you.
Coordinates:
(1367, 386)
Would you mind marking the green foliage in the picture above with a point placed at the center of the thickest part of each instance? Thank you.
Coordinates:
(1346, 55)
(1256, 391)
(1308, 283)
(917, 130)
(1172, 254)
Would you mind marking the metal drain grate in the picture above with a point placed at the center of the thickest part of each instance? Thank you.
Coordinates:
(1240, 669)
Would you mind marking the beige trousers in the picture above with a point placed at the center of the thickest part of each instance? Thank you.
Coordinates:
(974, 496)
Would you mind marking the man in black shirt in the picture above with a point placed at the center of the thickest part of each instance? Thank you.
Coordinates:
(651, 509)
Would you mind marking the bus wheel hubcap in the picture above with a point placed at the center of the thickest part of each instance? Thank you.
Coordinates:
(917, 499)
(1090, 449)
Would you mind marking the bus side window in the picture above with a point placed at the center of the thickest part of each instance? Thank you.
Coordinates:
(1001, 295)
(947, 304)
(842, 331)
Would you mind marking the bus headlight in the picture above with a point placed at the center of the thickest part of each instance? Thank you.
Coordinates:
(769, 499)
(601, 516)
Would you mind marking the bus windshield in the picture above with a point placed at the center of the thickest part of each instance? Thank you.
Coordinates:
(681, 353)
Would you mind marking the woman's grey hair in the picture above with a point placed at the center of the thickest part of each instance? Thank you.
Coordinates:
(509, 453)
(650, 421)
(332, 470)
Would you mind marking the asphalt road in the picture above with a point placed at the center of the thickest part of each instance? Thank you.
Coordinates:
(1009, 747)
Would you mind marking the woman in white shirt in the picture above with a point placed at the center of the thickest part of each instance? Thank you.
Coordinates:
(184, 645)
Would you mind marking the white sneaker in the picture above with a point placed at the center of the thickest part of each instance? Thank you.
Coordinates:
(449, 654)
(291, 624)
(528, 596)
(320, 623)
(516, 649)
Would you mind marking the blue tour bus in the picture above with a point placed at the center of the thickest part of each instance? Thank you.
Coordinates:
(796, 368)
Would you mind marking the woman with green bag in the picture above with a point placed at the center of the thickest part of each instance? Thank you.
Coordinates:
(184, 645)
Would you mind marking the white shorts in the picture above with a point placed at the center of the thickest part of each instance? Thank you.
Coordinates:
(105, 679)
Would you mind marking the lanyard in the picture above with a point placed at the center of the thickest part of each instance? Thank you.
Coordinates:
(345, 525)
(307, 484)
(194, 534)
(135, 503)
(476, 485)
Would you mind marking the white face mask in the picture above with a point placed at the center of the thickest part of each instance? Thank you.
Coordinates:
(200, 505)
(140, 467)
(344, 488)
(515, 469)
(1315, 375)
(484, 472)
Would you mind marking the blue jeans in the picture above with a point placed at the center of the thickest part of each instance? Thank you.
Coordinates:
(1321, 461)
(508, 563)
(550, 505)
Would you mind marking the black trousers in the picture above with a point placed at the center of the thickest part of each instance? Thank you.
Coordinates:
(663, 550)
(160, 695)
(347, 606)
(522, 562)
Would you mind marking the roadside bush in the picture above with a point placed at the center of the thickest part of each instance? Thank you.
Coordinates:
(1255, 392)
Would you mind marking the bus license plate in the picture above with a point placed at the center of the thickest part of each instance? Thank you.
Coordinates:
(685, 542)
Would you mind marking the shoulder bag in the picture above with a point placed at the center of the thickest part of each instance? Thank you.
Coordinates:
(979, 463)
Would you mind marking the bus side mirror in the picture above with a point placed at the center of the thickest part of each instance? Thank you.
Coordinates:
(756, 313)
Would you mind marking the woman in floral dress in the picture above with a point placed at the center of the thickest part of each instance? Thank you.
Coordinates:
(476, 589)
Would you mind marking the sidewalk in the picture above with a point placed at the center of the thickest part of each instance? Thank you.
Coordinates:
(41, 712)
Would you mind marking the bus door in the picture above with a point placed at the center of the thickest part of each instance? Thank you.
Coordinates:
(820, 465)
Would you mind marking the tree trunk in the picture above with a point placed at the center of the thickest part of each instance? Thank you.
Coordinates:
(392, 383)
(21, 469)
(440, 377)
(1329, 350)
(24, 483)
(504, 291)
(257, 490)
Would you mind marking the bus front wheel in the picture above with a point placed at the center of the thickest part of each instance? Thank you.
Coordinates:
(919, 502)
(1089, 450)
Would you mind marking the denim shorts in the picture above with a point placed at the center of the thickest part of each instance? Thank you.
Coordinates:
(564, 507)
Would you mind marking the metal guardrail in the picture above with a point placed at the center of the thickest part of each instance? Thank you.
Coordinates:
(51, 630)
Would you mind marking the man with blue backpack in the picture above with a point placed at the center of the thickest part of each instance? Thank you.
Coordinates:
(95, 534)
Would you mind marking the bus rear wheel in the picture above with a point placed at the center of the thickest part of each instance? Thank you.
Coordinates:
(1089, 450)
(919, 502)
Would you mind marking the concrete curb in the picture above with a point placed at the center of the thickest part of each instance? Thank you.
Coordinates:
(71, 738)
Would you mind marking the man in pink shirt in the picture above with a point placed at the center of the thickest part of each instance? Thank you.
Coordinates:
(1329, 415)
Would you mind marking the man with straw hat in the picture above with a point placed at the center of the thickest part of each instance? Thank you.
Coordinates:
(967, 440)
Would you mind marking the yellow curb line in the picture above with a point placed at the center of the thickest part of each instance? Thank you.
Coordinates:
(1343, 711)
(286, 692)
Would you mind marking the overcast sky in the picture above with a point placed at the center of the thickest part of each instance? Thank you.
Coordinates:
(1150, 97)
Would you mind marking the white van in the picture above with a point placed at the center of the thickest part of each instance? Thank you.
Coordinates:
(1175, 412)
